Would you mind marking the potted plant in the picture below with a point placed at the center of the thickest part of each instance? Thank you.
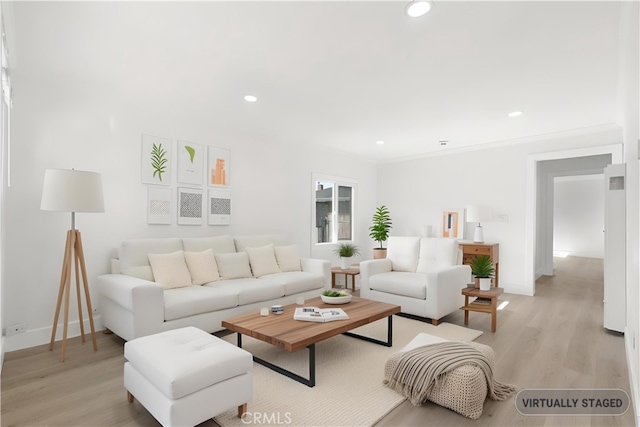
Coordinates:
(346, 251)
(379, 231)
(482, 268)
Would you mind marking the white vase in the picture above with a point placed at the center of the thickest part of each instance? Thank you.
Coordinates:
(485, 283)
(345, 262)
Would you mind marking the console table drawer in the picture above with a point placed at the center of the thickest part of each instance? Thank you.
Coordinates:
(477, 250)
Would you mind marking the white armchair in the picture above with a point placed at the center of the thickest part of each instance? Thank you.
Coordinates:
(422, 275)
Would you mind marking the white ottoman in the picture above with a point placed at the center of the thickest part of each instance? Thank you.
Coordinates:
(186, 376)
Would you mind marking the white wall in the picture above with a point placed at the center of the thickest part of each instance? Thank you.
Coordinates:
(68, 124)
(578, 215)
(417, 191)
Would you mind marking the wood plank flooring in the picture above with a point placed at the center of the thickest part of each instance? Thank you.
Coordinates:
(554, 339)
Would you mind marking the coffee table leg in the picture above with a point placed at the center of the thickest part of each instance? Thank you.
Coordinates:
(310, 382)
(388, 343)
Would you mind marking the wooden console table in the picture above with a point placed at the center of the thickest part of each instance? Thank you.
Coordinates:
(485, 302)
(471, 250)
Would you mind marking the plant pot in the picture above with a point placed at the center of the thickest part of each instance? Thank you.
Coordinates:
(485, 283)
(345, 262)
(379, 253)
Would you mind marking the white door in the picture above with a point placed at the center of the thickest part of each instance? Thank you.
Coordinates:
(614, 248)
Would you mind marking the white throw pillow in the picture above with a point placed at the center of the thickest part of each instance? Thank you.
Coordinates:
(262, 260)
(234, 265)
(202, 266)
(287, 258)
(170, 270)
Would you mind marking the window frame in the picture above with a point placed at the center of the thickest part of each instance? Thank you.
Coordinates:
(338, 181)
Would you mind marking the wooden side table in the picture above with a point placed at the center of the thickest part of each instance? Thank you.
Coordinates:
(353, 271)
(471, 250)
(486, 302)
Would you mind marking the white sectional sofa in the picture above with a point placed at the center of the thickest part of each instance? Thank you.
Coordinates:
(168, 283)
(422, 275)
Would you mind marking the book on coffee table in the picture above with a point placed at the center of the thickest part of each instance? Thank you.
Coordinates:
(315, 314)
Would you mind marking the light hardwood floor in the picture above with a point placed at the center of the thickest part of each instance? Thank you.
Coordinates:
(554, 339)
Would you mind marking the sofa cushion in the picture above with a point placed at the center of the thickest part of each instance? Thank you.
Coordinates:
(262, 260)
(141, 272)
(287, 258)
(202, 266)
(170, 270)
(192, 300)
(218, 244)
(403, 253)
(296, 281)
(252, 290)
(242, 242)
(233, 266)
(135, 252)
(436, 253)
(412, 285)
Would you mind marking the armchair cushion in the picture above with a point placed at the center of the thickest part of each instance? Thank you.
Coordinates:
(400, 283)
(403, 253)
(437, 253)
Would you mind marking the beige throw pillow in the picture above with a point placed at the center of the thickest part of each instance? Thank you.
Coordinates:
(262, 260)
(233, 265)
(202, 266)
(287, 257)
(170, 270)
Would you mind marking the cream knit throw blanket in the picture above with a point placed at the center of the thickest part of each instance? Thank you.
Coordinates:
(415, 373)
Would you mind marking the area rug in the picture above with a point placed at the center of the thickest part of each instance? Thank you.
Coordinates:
(349, 373)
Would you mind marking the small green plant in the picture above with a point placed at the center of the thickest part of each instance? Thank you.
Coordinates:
(379, 231)
(347, 250)
(482, 267)
(334, 294)
(158, 160)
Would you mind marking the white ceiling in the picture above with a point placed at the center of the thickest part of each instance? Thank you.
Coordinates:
(342, 74)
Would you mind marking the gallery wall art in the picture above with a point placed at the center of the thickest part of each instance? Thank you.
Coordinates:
(158, 205)
(191, 159)
(218, 167)
(189, 206)
(156, 160)
(219, 207)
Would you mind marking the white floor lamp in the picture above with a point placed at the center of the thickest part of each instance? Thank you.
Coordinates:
(72, 191)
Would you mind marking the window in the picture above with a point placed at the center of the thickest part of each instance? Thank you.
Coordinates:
(333, 209)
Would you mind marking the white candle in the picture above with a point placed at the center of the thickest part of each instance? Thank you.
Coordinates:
(264, 311)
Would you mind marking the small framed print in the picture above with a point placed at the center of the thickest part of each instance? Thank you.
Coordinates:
(158, 205)
(219, 207)
(218, 167)
(189, 206)
(191, 163)
(156, 160)
(453, 223)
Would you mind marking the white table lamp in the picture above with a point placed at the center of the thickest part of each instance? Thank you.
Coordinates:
(478, 214)
(72, 191)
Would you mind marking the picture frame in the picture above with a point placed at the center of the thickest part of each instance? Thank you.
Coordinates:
(190, 160)
(156, 160)
(219, 207)
(453, 223)
(189, 206)
(218, 167)
(158, 205)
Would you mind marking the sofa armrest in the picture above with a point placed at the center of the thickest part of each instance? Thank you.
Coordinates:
(144, 300)
(318, 266)
(369, 268)
(444, 288)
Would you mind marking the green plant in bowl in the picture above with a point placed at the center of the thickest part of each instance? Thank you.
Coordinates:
(334, 294)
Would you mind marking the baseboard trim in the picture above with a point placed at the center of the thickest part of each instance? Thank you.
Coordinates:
(40, 336)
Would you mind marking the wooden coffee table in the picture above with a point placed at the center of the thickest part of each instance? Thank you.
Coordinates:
(293, 335)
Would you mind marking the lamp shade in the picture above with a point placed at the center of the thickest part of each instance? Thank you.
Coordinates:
(478, 213)
(72, 191)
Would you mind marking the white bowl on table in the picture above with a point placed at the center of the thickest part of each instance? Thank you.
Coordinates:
(343, 299)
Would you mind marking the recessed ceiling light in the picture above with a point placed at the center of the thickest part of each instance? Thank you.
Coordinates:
(515, 114)
(443, 142)
(380, 142)
(417, 8)
(250, 98)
